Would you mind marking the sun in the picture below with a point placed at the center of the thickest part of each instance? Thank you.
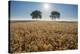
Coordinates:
(46, 6)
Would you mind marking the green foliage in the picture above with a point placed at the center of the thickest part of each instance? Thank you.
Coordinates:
(54, 15)
(36, 14)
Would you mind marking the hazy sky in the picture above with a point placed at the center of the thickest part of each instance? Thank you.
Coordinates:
(23, 9)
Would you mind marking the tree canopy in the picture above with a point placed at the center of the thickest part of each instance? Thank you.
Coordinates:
(55, 14)
(36, 14)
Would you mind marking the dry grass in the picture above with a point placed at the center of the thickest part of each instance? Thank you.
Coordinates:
(43, 36)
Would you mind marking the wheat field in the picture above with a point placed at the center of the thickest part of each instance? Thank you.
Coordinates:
(36, 36)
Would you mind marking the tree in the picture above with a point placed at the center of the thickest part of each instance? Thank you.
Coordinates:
(54, 15)
(36, 14)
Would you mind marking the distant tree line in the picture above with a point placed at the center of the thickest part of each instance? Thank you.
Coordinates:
(38, 14)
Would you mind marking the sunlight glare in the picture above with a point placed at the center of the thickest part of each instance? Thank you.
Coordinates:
(46, 6)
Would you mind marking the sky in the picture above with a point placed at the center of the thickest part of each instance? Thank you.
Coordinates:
(23, 9)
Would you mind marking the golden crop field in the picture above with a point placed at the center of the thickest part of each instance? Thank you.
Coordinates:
(36, 36)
